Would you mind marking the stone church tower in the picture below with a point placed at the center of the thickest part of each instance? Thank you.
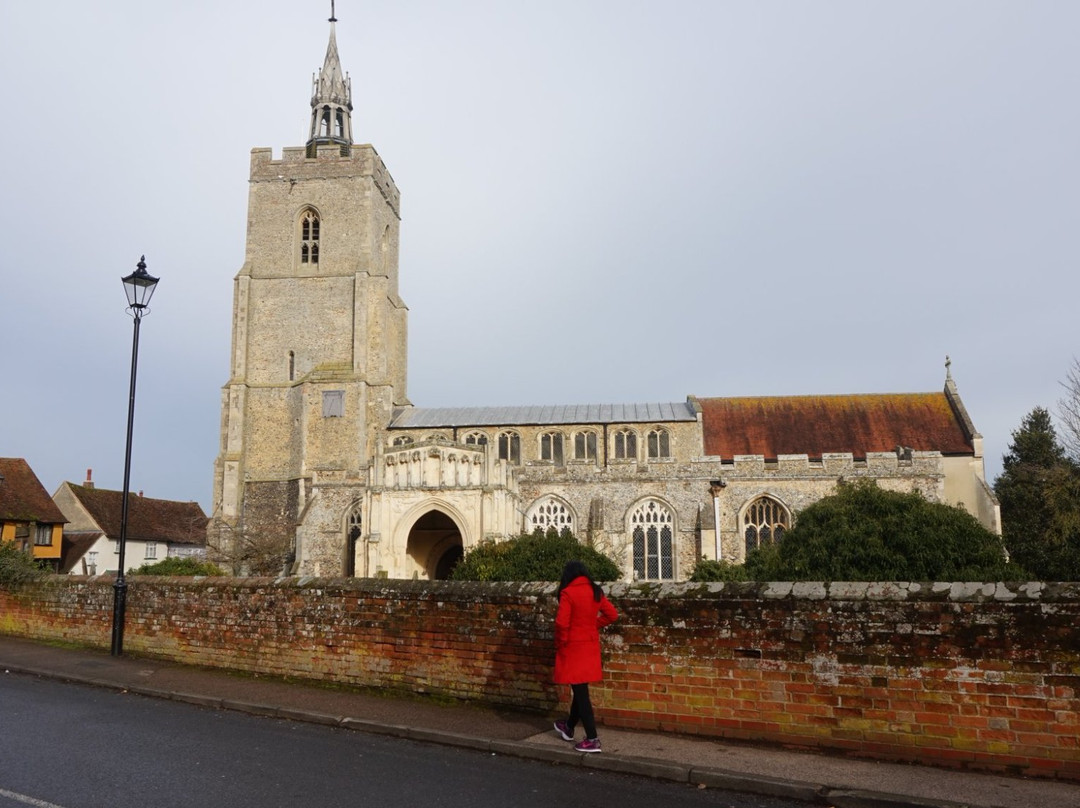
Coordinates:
(319, 340)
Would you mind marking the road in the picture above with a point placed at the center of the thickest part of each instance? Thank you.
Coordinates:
(71, 746)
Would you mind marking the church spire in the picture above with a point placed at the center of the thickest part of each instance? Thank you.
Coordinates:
(331, 99)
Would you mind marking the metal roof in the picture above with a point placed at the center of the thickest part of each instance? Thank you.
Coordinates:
(431, 417)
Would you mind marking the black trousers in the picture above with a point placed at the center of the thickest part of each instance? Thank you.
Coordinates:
(581, 710)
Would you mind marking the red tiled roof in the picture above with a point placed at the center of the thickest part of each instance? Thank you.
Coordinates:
(148, 519)
(22, 496)
(816, 425)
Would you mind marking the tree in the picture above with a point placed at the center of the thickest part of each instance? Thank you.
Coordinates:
(1039, 493)
(864, 533)
(1069, 411)
(706, 569)
(537, 556)
(17, 566)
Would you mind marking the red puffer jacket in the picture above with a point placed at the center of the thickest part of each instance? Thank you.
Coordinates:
(577, 633)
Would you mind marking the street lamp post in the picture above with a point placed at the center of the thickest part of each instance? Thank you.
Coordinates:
(139, 288)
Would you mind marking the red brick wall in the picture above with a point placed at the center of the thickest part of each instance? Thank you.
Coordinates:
(982, 676)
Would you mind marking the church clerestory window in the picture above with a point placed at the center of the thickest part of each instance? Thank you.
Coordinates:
(309, 237)
(510, 447)
(585, 446)
(401, 440)
(659, 443)
(652, 533)
(551, 447)
(476, 439)
(625, 445)
(766, 521)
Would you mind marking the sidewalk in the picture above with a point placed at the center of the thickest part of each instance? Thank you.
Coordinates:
(817, 778)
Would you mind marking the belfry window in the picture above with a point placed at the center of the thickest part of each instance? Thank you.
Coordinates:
(309, 237)
(652, 531)
(765, 522)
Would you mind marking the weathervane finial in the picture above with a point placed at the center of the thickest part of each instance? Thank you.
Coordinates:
(333, 16)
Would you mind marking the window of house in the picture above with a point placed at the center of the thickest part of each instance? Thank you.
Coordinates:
(625, 445)
(510, 447)
(652, 531)
(659, 443)
(551, 447)
(309, 237)
(476, 439)
(43, 535)
(548, 512)
(91, 562)
(401, 440)
(585, 446)
(765, 522)
(151, 549)
(116, 546)
(333, 403)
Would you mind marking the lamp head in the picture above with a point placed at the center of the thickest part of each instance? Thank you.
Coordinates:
(139, 287)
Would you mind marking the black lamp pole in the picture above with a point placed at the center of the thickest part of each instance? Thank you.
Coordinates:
(139, 288)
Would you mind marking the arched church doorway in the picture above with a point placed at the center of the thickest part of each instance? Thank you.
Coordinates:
(435, 544)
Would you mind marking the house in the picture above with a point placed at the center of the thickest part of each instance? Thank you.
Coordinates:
(157, 529)
(28, 516)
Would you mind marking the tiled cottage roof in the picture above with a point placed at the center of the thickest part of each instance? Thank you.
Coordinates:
(148, 519)
(817, 425)
(22, 496)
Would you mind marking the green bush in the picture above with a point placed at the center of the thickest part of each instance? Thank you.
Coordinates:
(179, 566)
(535, 556)
(864, 533)
(16, 565)
(708, 570)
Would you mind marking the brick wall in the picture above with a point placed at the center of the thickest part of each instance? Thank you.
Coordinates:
(980, 676)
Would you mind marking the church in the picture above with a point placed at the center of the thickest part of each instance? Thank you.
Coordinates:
(323, 454)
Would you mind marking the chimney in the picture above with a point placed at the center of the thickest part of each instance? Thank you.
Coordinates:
(89, 482)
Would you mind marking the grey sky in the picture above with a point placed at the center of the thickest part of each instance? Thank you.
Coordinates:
(602, 202)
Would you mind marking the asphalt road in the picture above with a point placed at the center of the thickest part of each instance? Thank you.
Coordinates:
(71, 746)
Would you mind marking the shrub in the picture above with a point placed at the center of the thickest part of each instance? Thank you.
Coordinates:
(179, 566)
(534, 556)
(864, 533)
(16, 565)
(708, 570)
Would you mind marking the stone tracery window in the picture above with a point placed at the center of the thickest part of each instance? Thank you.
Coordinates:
(510, 447)
(551, 447)
(401, 440)
(476, 439)
(765, 522)
(309, 237)
(585, 445)
(652, 530)
(548, 512)
(625, 445)
(659, 443)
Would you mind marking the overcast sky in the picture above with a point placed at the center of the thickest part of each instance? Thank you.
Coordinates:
(602, 202)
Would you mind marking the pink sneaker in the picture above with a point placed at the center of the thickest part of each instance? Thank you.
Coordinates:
(588, 745)
(563, 729)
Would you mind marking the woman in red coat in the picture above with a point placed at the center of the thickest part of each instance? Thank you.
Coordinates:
(583, 611)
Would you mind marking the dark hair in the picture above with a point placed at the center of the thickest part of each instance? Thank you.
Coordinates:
(574, 570)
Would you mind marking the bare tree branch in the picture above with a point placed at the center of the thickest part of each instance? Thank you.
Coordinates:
(1068, 411)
